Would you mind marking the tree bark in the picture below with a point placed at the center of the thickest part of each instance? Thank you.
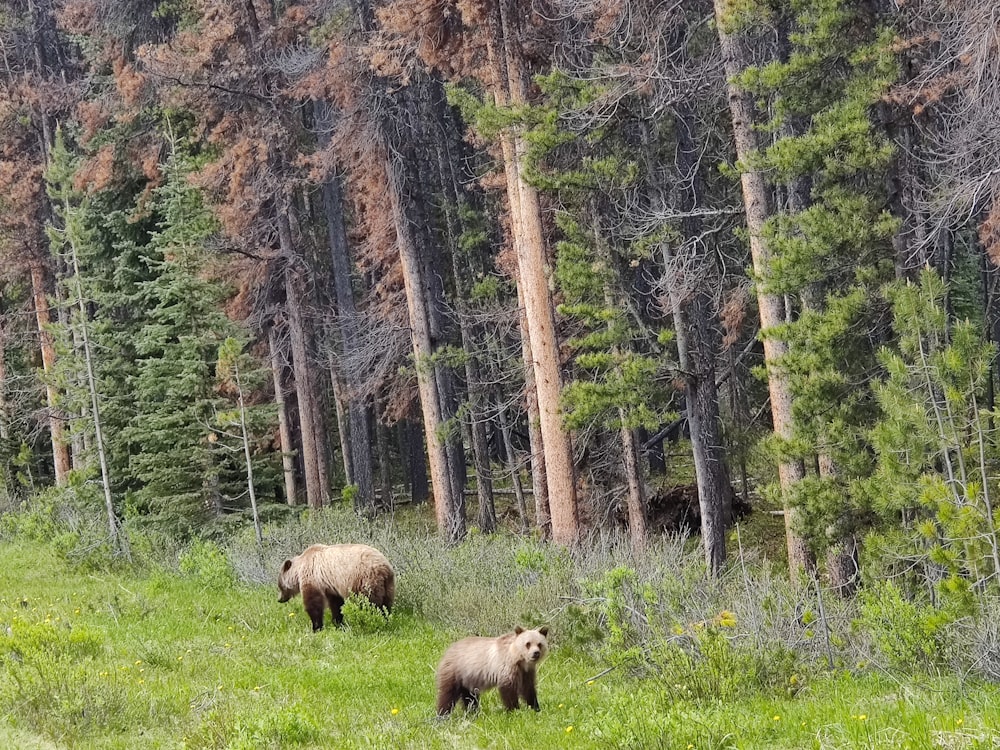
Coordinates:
(60, 451)
(284, 430)
(416, 463)
(539, 479)
(510, 88)
(636, 497)
(302, 369)
(771, 306)
(358, 465)
(696, 330)
(343, 427)
(449, 509)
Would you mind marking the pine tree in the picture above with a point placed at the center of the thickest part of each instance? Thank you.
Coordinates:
(933, 488)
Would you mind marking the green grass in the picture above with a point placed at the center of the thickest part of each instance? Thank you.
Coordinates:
(125, 659)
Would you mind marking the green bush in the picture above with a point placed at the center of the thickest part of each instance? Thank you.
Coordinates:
(906, 632)
(363, 616)
(205, 561)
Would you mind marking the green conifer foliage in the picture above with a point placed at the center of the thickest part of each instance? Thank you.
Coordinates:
(935, 444)
(171, 433)
(619, 374)
(831, 241)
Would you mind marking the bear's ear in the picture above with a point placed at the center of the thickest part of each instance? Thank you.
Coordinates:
(518, 630)
(287, 564)
(544, 630)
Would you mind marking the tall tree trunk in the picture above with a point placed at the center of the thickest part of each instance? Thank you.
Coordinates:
(343, 427)
(513, 468)
(60, 451)
(636, 498)
(384, 464)
(302, 369)
(284, 430)
(539, 479)
(448, 153)
(360, 459)
(78, 433)
(771, 306)
(449, 509)
(689, 282)
(533, 280)
(117, 540)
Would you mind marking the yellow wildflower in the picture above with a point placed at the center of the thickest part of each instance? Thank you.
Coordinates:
(569, 729)
(395, 711)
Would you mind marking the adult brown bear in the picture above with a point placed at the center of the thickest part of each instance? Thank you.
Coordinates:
(475, 664)
(329, 573)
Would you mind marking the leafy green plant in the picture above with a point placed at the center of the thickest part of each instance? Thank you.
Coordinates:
(907, 633)
(206, 561)
(364, 617)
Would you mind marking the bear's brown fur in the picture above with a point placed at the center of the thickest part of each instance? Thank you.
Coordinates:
(475, 664)
(329, 573)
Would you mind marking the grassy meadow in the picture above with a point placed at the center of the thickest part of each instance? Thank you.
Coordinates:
(187, 647)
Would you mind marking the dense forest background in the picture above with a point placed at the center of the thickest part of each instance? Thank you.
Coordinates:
(566, 265)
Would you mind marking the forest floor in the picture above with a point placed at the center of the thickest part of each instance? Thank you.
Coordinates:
(91, 658)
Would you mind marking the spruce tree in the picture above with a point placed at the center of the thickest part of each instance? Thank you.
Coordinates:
(177, 345)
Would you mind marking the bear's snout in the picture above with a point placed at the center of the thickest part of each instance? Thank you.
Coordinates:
(535, 655)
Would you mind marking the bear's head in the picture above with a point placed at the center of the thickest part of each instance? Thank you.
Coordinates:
(288, 581)
(530, 646)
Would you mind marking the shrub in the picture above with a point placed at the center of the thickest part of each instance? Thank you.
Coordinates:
(907, 633)
(363, 616)
(205, 561)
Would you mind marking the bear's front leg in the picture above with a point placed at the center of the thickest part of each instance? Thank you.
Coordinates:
(315, 604)
(530, 693)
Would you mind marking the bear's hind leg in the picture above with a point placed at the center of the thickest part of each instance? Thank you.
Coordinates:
(449, 693)
(315, 604)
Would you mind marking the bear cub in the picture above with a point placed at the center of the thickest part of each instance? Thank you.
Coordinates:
(475, 664)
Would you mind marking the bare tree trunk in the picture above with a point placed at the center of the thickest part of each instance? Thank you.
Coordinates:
(343, 427)
(244, 434)
(284, 431)
(60, 451)
(533, 282)
(117, 541)
(689, 280)
(78, 433)
(512, 468)
(359, 459)
(416, 463)
(539, 480)
(449, 509)
(487, 517)
(301, 367)
(771, 306)
(636, 498)
(384, 461)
